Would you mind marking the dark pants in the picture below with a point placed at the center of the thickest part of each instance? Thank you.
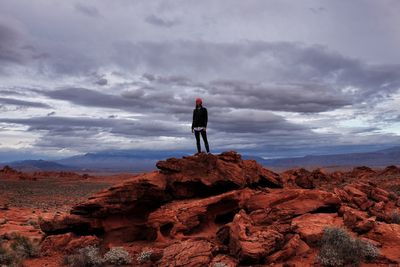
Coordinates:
(204, 136)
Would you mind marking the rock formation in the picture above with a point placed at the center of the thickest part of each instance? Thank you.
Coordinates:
(207, 209)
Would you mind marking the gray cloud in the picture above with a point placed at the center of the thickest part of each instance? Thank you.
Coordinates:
(161, 22)
(9, 41)
(260, 62)
(64, 126)
(90, 11)
(22, 103)
(101, 81)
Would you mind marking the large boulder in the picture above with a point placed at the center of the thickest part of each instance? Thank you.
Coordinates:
(206, 174)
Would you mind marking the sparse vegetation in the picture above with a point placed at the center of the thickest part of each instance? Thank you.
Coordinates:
(117, 256)
(20, 248)
(90, 257)
(86, 257)
(144, 256)
(24, 247)
(338, 248)
(220, 264)
(396, 217)
(6, 258)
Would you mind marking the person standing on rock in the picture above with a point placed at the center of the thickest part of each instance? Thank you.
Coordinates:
(199, 124)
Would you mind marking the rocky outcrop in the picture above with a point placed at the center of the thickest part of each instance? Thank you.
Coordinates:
(249, 243)
(211, 210)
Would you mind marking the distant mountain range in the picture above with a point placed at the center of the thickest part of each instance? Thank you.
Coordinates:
(140, 161)
(37, 165)
(105, 161)
(378, 158)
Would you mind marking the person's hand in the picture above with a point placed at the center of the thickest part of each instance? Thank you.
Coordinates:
(192, 130)
(205, 129)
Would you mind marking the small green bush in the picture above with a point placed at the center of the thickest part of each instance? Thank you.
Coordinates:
(338, 248)
(117, 256)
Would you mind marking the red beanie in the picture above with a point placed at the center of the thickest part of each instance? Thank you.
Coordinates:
(199, 101)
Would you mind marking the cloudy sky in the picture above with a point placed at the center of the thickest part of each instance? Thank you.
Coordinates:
(279, 77)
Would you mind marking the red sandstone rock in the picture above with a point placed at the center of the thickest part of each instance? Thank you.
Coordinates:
(378, 194)
(310, 227)
(390, 171)
(283, 204)
(67, 243)
(356, 220)
(362, 172)
(185, 216)
(206, 173)
(294, 247)
(249, 243)
(300, 177)
(189, 253)
(388, 235)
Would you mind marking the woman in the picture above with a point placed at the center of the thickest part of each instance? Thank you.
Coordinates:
(199, 124)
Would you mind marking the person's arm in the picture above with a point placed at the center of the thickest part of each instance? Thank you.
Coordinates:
(206, 116)
(193, 121)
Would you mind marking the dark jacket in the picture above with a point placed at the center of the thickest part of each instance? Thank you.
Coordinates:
(200, 117)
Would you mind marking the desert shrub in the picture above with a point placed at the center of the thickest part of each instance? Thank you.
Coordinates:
(6, 257)
(90, 257)
(338, 248)
(117, 256)
(144, 256)
(85, 257)
(23, 247)
(396, 217)
(370, 252)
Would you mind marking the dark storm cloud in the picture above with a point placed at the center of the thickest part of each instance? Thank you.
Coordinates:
(64, 126)
(251, 121)
(15, 49)
(140, 100)
(161, 22)
(261, 62)
(295, 97)
(101, 81)
(22, 103)
(90, 11)
(235, 95)
(9, 41)
(282, 76)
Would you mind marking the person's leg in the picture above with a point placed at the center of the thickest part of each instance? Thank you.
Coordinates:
(204, 135)
(197, 135)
